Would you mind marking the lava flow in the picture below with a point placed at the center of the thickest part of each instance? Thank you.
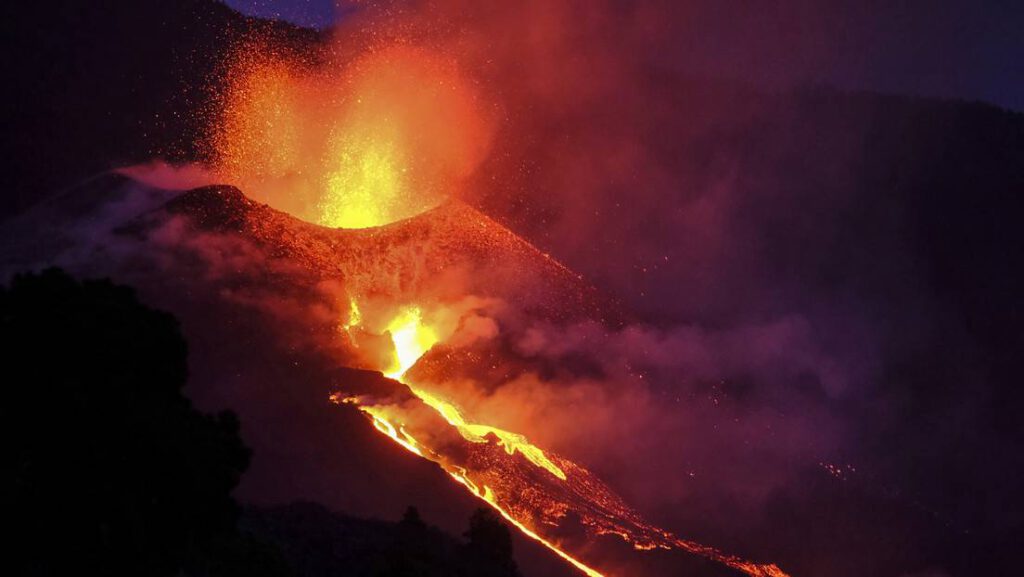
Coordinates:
(383, 138)
(412, 339)
(534, 493)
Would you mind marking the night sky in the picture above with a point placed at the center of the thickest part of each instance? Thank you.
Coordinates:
(964, 49)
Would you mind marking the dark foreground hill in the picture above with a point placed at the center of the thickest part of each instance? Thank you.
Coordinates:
(316, 542)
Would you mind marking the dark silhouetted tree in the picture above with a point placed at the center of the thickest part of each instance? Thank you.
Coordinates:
(415, 552)
(110, 470)
(411, 520)
(490, 541)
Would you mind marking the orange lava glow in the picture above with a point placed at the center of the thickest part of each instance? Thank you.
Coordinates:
(488, 497)
(406, 441)
(411, 339)
(352, 145)
(364, 142)
(566, 486)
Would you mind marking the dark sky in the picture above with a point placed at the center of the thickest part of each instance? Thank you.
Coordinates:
(947, 48)
(318, 13)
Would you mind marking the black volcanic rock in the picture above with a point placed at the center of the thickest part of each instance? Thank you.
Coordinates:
(217, 207)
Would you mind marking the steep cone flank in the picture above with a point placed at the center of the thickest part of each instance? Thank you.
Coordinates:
(406, 258)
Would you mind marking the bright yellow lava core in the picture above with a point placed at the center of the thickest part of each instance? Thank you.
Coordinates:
(367, 186)
(412, 339)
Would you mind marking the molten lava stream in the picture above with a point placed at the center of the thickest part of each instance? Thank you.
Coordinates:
(398, 435)
(412, 339)
(488, 497)
(554, 482)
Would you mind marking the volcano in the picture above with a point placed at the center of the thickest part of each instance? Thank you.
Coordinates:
(377, 299)
(812, 340)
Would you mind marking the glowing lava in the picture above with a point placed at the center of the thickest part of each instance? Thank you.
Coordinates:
(411, 338)
(353, 144)
(529, 497)
(368, 180)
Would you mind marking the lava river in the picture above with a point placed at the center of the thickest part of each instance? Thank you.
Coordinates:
(531, 488)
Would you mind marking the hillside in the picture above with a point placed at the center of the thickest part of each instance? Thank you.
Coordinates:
(316, 542)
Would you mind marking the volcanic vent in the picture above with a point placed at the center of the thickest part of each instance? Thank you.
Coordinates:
(348, 143)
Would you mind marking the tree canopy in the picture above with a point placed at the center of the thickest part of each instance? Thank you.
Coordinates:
(111, 469)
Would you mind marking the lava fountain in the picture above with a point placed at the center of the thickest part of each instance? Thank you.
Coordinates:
(357, 144)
